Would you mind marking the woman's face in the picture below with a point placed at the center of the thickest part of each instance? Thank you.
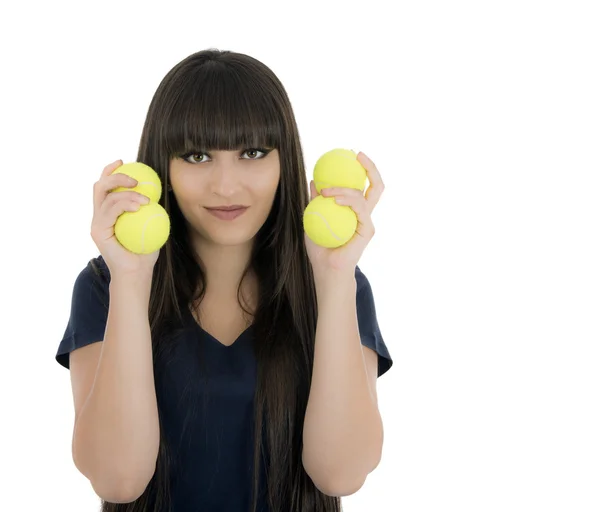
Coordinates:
(247, 177)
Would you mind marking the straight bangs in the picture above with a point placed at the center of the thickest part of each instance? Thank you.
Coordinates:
(218, 109)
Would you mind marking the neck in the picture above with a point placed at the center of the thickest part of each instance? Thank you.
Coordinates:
(224, 266)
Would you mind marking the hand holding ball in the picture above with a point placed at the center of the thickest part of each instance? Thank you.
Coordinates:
(148, 181)
(143, 231)
(339, 168)
(147, 229)
(327, 223)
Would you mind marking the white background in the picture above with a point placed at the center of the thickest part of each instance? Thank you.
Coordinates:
(483, 119)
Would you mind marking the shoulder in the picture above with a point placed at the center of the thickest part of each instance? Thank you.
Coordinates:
(363, 286)
(368, 324)
(96, 271)
(361, 279)
(98, 268)
(365, 300)
(94, 276)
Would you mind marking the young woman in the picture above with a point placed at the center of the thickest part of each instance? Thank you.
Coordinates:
(238, 364)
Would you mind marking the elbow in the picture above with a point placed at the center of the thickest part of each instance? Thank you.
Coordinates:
(377, 452)
(115, 486)
(119, 491)
(340, 486)
(343, 473)
(345, 487)
(336, 482)
(341, 481)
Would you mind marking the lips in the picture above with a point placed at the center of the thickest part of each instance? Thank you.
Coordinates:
(227, 213)
(227, 208)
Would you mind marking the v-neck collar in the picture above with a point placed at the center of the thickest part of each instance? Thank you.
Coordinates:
(195, 325)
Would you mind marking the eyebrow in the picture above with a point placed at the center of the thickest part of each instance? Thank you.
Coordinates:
(263, 146)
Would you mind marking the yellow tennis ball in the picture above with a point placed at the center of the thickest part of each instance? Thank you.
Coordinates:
(147, 178)
(329, 224)
(339, 168)
(145, 230)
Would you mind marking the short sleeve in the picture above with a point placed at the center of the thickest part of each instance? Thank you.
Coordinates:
(89, 310)
(368, 326)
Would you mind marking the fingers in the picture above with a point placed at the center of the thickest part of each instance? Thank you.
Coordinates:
(376, 186)
(356, 200)
(118, 202)
(115, 204)
(108, 205)
(108, 182)
(343, 192)
(348, 197)
(313, 190)
(111, 167)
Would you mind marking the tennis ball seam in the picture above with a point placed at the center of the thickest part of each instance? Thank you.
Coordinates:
(324, 220)
(142, 246)
(323, 184)
(149, 183)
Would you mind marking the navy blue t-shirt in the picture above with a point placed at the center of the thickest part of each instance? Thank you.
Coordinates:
(208, 422)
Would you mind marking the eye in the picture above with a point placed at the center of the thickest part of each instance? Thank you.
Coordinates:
(197, 157)
(257, 150)
(186, 156)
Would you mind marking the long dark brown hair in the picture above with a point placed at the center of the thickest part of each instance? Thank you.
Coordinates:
(224, 100)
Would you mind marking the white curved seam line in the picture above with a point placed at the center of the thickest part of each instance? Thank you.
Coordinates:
(326, 224)
(146, 225)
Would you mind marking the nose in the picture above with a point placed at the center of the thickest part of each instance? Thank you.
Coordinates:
(224, 180)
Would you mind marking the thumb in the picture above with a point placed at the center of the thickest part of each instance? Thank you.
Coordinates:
(313, 190)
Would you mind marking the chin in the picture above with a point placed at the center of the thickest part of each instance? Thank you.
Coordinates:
(231, 240)
(237, 232)
(229, 237)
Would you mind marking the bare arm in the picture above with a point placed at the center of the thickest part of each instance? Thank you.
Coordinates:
(116, 432)
(343, 432)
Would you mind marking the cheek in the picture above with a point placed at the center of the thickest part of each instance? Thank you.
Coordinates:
(265, 195)
(189, 188)
(265, 184)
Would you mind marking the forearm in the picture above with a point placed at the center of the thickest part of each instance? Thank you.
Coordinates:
(116, 437)
(343, 432)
